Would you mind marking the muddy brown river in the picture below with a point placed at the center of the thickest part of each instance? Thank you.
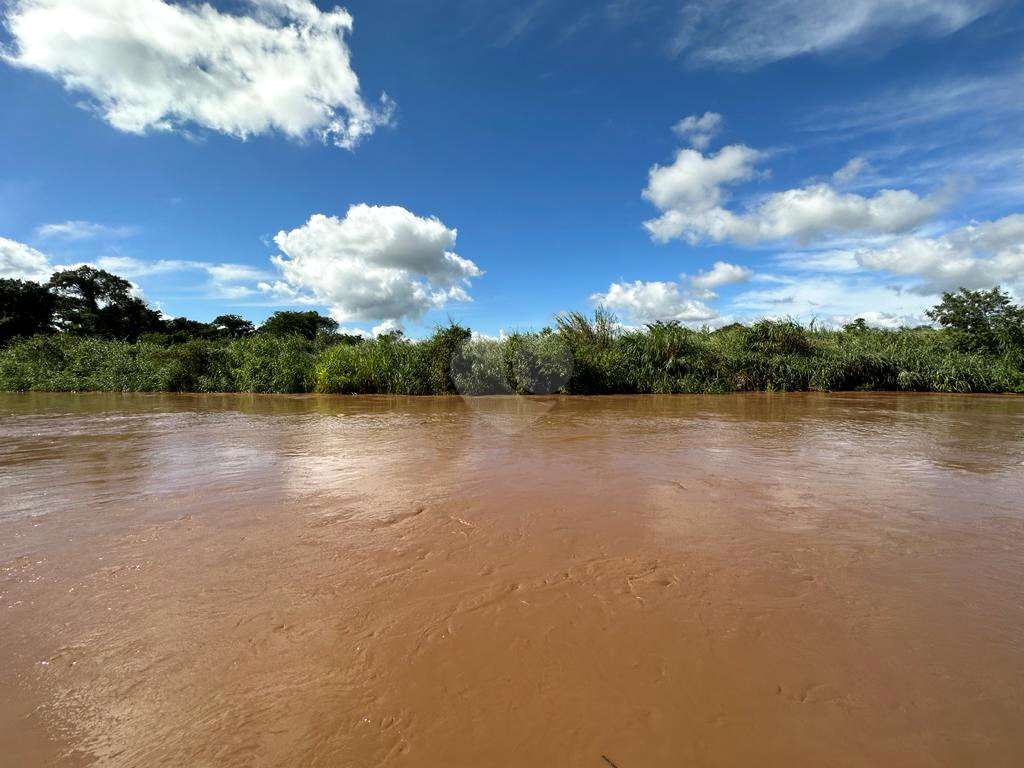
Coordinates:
(635, 582)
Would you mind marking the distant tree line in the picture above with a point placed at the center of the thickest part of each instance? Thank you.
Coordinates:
(93, 302)
(85, 329)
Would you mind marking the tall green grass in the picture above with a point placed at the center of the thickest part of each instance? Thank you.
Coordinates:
(582, 355)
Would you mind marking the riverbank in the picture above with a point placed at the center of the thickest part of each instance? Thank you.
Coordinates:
(771, 356)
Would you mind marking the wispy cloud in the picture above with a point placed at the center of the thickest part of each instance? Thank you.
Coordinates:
(962, 128)
(979, 98)
(223, 280)
(520, 22)
(749, 33)
(84, 230)
(833, 300)
(698, 130)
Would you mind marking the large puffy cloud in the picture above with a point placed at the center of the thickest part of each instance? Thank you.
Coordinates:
(682, 301)
(375, 263)
(694, 181)
(153, 65)
(820, 211)
(753, 32)
(884, 255)
(691, 193)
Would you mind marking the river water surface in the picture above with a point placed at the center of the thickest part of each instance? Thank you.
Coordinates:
(642, 582)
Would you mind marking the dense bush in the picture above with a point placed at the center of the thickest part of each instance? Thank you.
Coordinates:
(385, 365)
(583, 356)
(478, 367)
(537, 363)
(265, 363)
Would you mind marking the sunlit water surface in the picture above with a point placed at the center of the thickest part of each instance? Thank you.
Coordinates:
(645, 582)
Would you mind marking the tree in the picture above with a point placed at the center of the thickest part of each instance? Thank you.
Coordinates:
(94, 302)
(232, 326)
(981, 321)
(308, 325)
(181, 329)
(26, 308)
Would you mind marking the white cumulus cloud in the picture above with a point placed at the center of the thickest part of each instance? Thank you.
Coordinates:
(23, 262)
(689, 189)
(979, 255)
(645, 302)
(154, 65)
(692, 196)
(722, 273)
(375, 263)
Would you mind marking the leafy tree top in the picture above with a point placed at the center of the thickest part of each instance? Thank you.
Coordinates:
(308, 325)
(26, 308)
(981, 321)
(94, 302)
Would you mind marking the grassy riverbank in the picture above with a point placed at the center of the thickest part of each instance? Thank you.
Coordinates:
(589, 355)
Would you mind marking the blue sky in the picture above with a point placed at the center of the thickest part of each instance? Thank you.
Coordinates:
(402, 163)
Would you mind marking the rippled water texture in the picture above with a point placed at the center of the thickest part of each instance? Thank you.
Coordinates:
(799, 580)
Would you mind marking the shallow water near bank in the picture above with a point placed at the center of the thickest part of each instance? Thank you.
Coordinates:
(235, 580)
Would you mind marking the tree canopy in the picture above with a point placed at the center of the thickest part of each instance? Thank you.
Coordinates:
(981, 321)
(26, 309)
(308, 325)
(94, 302)
(232, 326)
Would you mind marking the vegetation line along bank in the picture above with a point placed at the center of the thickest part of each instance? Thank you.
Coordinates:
(84, 330)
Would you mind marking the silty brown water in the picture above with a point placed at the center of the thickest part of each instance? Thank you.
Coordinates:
(650, 582)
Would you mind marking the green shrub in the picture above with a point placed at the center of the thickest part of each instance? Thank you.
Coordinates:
(479, 368)
(266, 363)
(538, 364)
(438, 351)
(385, 365)
(777, 337)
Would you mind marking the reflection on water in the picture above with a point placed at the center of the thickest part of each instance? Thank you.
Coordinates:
(660, 581)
